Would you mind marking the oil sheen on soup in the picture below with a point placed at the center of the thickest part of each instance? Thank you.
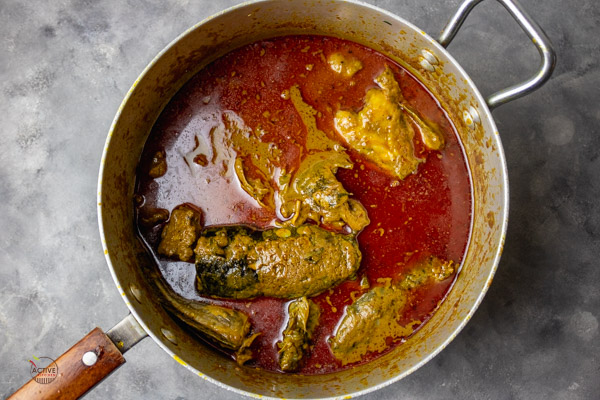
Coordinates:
(308, 204)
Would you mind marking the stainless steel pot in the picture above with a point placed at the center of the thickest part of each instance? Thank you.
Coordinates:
(248, 22)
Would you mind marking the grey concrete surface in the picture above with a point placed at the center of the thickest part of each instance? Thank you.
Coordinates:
(65, 67)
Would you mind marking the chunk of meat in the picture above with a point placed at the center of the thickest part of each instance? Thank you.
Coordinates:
(382, 131)
(180, 233)
(224, 326)
(316, 193)
(367, 323)
(284, 262)
(344, 64)
(158, 166)
(303, 316)
(371, 320)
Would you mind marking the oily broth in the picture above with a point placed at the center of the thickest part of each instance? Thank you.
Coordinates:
(427, 213)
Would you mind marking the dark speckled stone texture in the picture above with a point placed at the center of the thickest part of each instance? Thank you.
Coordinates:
(64, 68)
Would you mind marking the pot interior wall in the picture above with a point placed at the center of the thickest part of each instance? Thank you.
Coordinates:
(247, 23)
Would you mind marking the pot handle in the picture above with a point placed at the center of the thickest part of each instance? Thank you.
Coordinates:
(535, 33)
(84, 365)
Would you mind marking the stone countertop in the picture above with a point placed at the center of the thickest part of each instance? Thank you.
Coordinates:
(65, 67)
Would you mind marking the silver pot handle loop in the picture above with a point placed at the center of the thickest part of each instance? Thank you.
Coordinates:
(535, 33)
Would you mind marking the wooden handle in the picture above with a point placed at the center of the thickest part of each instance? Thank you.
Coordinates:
(79, 369)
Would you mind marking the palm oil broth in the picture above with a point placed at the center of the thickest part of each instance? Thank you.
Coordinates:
(427, 213)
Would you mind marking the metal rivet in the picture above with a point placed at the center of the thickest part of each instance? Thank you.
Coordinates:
(89, 358)
(429, 57)
(468, 118)
(474, 115)
(136, 293)
(168, 335)
(471, 116)
(426, 64)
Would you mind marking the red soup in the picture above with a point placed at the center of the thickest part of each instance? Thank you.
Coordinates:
(281, 91)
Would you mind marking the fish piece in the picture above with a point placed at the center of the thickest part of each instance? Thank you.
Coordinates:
(372, 318)
(367, 323)
(158, 166)
(226, 327)
(316, 193)
(239, 262)
(344, 64)
(180, 233)
(303, 316)
(382, 129)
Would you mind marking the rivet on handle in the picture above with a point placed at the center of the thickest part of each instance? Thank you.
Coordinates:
(89, 358)
(428, 55)
(169, 335)
(471, 116)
